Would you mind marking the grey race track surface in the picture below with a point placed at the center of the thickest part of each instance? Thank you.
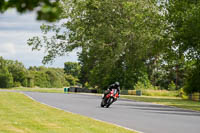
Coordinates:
(140, 116)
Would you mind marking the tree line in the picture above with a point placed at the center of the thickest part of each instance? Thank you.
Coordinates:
(150, 43)
(14, 74)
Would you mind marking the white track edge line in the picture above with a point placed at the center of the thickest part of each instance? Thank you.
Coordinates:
(82, 115)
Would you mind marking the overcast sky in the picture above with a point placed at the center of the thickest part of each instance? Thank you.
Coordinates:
(15, 30)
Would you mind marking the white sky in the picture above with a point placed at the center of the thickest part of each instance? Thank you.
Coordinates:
(15, 30)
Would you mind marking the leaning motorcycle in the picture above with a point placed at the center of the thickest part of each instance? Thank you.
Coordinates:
(109, 98)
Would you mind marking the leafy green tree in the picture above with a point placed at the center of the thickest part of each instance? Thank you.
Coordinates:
(184, 33)
(46, 9)
(71, 80)
(30, 79)
(172, 86)
(72, 68)
(41, 79)
(14, 74)
(6, 79)
(165, 69)
(47, 77)
(18, 71)
(192, 78)
(54, 79)
(183, 17)
(116, 38)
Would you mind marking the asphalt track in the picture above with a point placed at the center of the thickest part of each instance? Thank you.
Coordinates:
(140, 116)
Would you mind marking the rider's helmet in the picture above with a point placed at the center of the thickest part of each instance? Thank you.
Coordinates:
(117, 83)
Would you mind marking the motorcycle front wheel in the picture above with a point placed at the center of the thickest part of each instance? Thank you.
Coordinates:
(109, 102)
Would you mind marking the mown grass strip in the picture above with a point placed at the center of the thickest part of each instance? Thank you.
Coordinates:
(177, 102)
(47, 90)
(19, 114)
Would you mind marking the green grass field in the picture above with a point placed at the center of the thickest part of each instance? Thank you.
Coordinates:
(19, 114)
(170, 101)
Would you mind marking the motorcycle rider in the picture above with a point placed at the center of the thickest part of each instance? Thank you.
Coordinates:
(112, 86)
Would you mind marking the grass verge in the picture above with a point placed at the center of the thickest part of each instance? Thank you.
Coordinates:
(177, 102)
(161, 93)
(48, 90)
(19, 114)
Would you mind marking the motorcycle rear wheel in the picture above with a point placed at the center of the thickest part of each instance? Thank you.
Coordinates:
(103, 103)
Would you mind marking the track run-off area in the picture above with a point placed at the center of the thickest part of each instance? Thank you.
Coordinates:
(139, 116)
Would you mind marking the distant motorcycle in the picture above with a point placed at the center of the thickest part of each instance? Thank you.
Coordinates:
(109, 98)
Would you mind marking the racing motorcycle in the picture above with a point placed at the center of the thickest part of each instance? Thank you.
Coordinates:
(109, 98)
